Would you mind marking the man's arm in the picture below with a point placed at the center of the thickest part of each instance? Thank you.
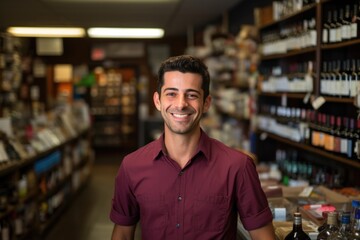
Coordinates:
(264, 233)
(123, 232)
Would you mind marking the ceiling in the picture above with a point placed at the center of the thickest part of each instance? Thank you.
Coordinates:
(174, 16)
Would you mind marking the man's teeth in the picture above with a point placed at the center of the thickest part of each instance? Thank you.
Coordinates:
(180, 115)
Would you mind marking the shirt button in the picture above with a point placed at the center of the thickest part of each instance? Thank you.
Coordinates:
(178, 225)
(179, 198)
(181, 173)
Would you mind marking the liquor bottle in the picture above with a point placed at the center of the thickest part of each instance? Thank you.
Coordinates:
(326, 130)
(343, 136)
(315, 131)
(344, 230)
(347, 138)
(297, 232)
(356, 141)
(344, 83)
(5, 230)
(351, 134)
(324, 224)
(346, 24)
(337, 138)
(324, 81)
(333, 79)
(337, 19)
(312, 32)
(333, 28)
(353, 80)
(355, 204)
(330, 136)
(354, 22)
(355, 234)
(338, 82)
(332, 226)
(326, 29)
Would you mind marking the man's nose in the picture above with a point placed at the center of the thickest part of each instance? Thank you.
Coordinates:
(182, 101)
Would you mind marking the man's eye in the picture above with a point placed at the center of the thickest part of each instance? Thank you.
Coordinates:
(171, 94)
(192, 96)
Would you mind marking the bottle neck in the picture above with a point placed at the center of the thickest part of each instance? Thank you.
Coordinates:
(297, 223)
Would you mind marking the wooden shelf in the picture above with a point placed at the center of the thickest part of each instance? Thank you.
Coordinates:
(295, 14)
(311, 149)
(340, 45)
(289, 54)
(278, 94)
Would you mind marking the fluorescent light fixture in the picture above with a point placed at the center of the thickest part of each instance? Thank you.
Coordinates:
(125, 32)
(113, 1)
(46, 32)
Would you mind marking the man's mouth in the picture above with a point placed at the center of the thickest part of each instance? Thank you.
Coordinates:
(177, 115)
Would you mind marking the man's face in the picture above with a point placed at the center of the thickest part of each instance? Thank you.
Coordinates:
(181, 102)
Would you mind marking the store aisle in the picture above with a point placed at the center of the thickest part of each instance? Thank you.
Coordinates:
(87, 218)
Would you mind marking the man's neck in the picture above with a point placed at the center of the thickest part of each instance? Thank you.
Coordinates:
(181, 147)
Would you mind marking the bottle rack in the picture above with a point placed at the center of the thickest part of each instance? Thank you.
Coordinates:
(279, 69)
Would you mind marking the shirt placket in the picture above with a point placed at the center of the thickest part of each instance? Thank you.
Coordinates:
(180, 205)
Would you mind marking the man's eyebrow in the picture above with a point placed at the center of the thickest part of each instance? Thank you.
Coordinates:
(171, 89)
(187, 90)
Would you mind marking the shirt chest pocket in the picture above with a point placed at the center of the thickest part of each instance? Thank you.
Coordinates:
(210, 213)
(153, 212)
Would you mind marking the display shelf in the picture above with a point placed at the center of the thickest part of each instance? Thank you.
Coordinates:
(311, 149)
(289, 54)
(304, 10)
(278, 94)
(348, 43)
(339, 56)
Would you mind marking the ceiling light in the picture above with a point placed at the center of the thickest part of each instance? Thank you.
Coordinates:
(125, 32)
(46, 32)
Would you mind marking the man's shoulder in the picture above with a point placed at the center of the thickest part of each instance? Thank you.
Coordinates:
(150, 150)
(231, 153)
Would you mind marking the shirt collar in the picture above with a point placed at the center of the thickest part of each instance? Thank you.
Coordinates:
(204, 146)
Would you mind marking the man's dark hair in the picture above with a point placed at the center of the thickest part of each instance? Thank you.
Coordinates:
(184, 64)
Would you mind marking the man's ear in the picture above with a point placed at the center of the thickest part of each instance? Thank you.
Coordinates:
(207, 104)
(156, 99)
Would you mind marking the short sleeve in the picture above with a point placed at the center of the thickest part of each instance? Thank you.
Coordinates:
(124, 209)
(252, 204)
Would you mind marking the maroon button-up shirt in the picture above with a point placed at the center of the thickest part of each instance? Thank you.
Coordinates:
(200, 201)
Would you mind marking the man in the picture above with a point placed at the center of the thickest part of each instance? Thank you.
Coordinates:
(186, 185)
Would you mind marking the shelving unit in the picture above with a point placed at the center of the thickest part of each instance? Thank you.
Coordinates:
(114, 108)
(36, 189)
(336, 106)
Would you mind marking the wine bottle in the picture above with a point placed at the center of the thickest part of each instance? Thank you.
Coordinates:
(333, 28)
(337, 19)
(353, 80)
(354, 22)
(297, 232)
(355, 234)
(346, 24)
(331, 227)
(345, 230)
(326, 29)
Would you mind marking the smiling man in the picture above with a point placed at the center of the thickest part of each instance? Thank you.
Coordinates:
(186, 185)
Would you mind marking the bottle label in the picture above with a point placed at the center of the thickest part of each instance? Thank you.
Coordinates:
(325, 36)
(332, 35)
(354, 30)
(343, 145)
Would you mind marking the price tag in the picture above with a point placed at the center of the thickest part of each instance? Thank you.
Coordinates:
(318, 102)
(307, 98)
